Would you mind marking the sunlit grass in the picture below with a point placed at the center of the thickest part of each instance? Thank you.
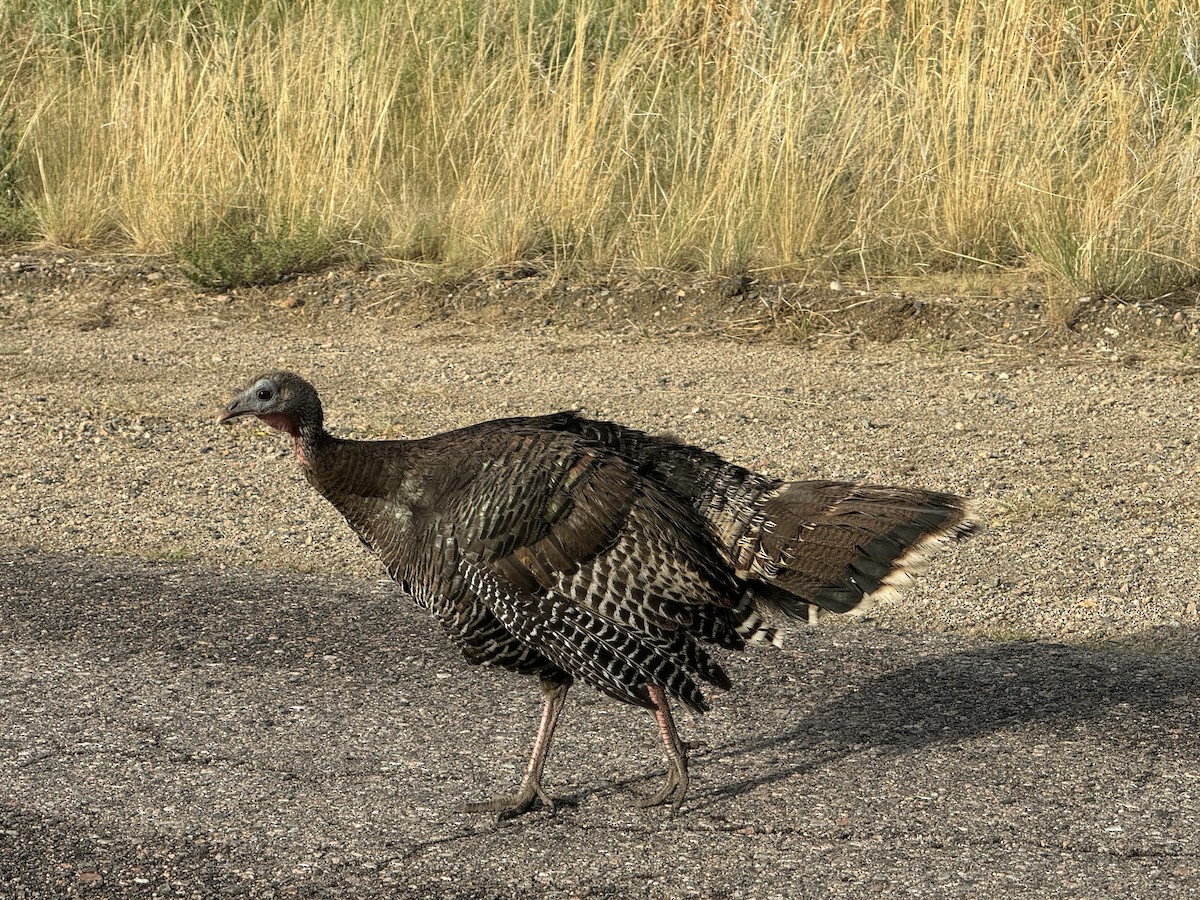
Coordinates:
(787, 139)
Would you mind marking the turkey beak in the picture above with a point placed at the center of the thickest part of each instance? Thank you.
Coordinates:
(233, 410)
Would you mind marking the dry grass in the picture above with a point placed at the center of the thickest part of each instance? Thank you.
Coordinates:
(787, 139)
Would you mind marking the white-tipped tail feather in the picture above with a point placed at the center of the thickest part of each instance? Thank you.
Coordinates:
(837, 547)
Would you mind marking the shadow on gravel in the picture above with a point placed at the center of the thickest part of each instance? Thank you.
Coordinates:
(269, 620)
(888, 703)
(1126, 696)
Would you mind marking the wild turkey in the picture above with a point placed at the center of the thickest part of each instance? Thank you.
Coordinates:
(569, 548)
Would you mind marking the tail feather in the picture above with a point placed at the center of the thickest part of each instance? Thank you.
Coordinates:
(836, 544)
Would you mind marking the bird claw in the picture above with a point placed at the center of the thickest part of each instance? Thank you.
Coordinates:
(510, 806)
(673, 791)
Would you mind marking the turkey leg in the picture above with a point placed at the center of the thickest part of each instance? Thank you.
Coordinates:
(554, 695)
(677, 760)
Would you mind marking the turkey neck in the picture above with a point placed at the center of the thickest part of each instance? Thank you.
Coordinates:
(340, 468)
(308, 439)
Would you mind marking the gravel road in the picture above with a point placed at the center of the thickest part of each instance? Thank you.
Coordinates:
(206, 689)
(177, 731)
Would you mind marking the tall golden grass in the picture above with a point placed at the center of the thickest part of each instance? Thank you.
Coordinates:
(786, 138)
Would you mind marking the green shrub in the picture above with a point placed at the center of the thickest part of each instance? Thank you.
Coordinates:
(241, 252)
(16, 222)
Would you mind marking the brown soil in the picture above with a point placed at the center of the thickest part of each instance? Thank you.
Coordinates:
(1079, 450)
(945, 312)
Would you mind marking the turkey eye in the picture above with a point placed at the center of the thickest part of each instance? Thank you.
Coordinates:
(265, 394)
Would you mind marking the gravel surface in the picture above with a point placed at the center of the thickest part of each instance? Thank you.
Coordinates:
(184, 711)
(1084, 469)
(174, 731)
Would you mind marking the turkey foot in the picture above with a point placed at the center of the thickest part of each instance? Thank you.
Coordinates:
(675, 788)
(554, 695)
(673, 791)
(512, 805)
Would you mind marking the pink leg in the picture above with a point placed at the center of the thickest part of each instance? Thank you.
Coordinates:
(554, 696)
(677, 760)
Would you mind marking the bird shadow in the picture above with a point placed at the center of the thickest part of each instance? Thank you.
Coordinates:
(949, 699)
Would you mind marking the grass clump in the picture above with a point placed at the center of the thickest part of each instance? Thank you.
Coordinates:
(16, 223)
(240, 252)
(791, 139)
